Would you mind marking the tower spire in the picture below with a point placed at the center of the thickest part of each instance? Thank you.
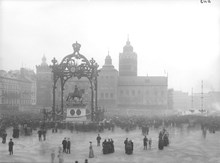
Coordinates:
(128, 41)
(44, 61)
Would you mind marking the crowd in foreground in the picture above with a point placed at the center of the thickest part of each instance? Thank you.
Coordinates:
(24, 124)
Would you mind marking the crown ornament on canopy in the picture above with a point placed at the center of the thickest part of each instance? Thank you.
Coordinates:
(76, 47)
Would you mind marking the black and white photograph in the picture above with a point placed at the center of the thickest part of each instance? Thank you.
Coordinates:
(109, 81)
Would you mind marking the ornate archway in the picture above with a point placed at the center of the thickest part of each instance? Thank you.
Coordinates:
(75, 65)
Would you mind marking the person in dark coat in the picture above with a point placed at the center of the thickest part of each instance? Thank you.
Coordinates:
(145, 140)
(15, 132)
(4, 135)
(104, 145)
(160, 142)
(132, 145)
(44, 132)
(126, 142)
(39, 134)
(150, 143)
(64, 142)
(68, 145)
(98, 140)
(10, 145)
(112, 146)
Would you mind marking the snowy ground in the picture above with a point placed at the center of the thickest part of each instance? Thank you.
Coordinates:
(185, 146)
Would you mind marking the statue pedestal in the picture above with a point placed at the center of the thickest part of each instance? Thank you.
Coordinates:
(76, 113)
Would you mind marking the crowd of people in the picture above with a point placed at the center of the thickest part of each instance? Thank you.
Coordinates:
(108, 146)
(163, 139)
(24, 124)
(66, 145)
(129, 146)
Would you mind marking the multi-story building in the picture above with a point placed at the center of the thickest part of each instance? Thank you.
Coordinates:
(16, 90)
(31, 77)
(149, 92)
(127, 90)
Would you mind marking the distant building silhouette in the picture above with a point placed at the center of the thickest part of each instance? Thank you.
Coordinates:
(44, 84)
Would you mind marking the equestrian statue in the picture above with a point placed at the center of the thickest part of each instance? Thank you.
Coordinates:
(76, 94)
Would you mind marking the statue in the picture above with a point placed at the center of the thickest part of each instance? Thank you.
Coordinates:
(76, 94)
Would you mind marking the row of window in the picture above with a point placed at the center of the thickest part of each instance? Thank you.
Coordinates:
(14, 101)
(138, 92)
(107, 77)
(131, 93)
(107, 95)
(147, 101)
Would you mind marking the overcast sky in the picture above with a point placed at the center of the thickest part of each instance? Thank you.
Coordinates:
(178, 37)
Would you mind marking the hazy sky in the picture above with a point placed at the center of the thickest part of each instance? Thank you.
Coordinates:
(179, 37)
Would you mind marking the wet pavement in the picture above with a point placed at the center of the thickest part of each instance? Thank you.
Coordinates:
(185, 146)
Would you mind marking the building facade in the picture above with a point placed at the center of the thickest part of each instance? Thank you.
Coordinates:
(144, 92)
(108, 85)
(17, 89)
(127, 90)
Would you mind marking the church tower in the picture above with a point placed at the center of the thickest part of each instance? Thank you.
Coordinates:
(128, 61)
(44, 82)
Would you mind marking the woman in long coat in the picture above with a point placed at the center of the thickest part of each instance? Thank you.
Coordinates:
(91, 153)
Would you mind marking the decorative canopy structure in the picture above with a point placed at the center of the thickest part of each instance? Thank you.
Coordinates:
(75, 65)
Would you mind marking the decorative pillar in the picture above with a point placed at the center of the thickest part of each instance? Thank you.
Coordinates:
(62, 89)
(96, 98)
(54, 61)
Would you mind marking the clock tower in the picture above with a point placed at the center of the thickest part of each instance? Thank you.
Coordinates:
(128, 61)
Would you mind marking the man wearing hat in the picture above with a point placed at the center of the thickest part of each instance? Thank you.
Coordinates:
(10, 145)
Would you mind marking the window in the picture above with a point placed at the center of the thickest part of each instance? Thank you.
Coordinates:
(102, 95)
(112, 95)
(133, 92)
(106, 95)
(122, 92)
(127, 92)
